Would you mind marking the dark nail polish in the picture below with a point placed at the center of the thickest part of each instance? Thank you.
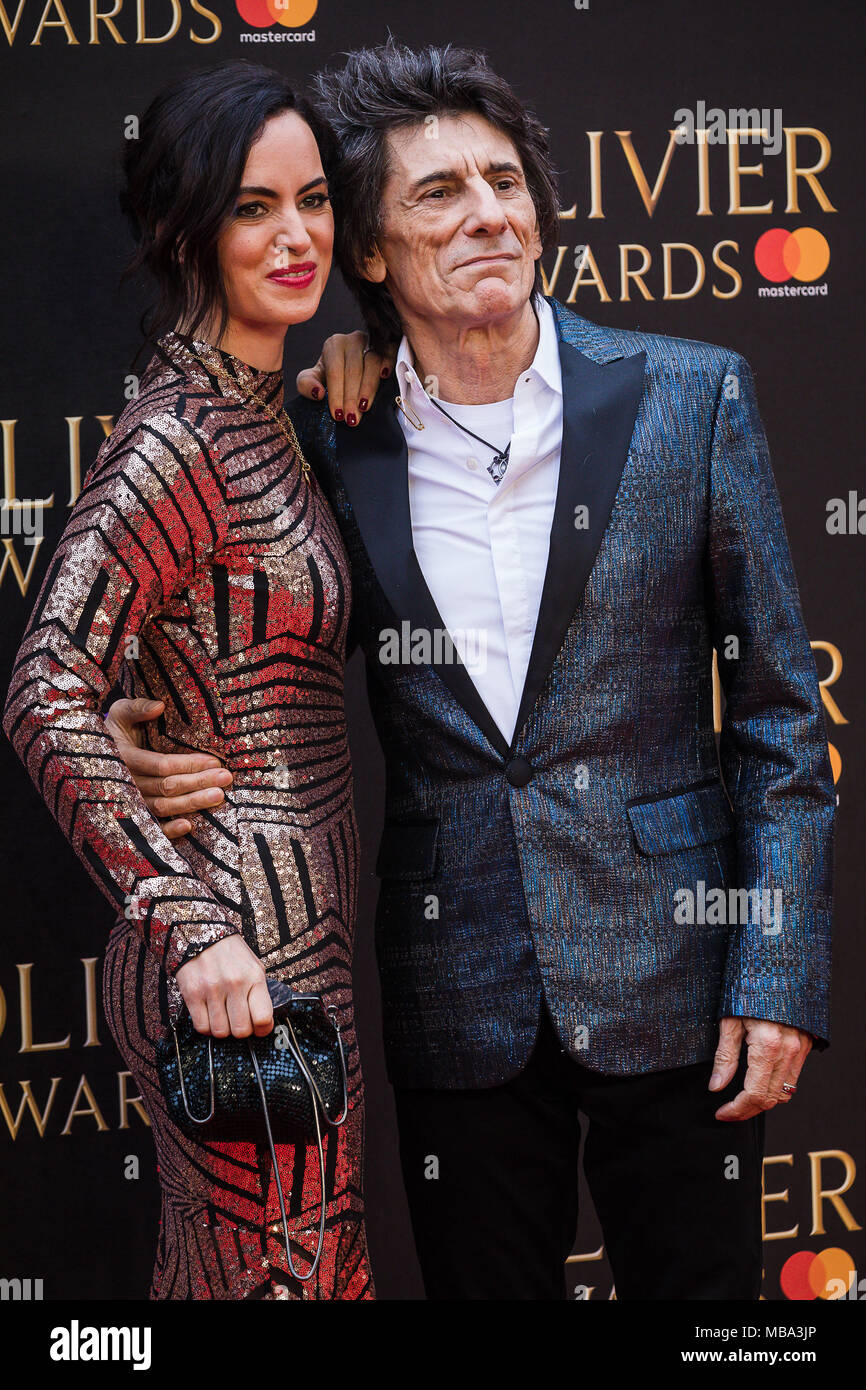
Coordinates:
(350, 419)
(363, 403)
(338, 414)
(386, 371)
(317, 391)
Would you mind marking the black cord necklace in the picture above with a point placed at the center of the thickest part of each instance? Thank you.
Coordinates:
(498, 464)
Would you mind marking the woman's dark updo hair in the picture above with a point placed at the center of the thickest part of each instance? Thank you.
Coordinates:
(181, 178)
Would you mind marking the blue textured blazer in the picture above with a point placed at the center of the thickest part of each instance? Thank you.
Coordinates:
(565, 861)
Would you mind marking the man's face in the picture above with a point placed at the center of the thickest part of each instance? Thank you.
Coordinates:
(459, 229)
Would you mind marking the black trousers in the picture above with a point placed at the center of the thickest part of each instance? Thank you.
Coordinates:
(492, 1181)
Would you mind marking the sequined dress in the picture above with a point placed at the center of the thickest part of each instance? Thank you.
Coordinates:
(202, 566)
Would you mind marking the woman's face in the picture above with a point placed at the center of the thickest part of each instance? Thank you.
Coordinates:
(275, 251)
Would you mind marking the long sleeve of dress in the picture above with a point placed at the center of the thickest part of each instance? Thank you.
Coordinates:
(152, 510)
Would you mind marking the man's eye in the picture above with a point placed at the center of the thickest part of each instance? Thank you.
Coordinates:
(249, 209)
(506, 183)
(437, 193)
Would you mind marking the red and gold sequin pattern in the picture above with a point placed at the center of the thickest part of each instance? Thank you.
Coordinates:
(203, 567)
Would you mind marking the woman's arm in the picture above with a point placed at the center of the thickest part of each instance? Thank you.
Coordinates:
(151, 511)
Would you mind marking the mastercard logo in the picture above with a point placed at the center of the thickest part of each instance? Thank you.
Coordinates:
(829, 1274)
(290, 13)
(803, 254)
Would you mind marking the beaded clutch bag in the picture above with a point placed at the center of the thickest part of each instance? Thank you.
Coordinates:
(276, 1088)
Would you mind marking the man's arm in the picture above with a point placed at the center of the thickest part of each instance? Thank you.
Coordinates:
(773, 746)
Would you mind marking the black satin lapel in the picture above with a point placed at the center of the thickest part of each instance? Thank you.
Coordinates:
(373, 463)
(600, 402)
(374, 467)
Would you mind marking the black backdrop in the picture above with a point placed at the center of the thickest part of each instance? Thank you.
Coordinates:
(80, 1195)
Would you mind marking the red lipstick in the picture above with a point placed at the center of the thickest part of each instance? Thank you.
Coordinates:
(294, 277)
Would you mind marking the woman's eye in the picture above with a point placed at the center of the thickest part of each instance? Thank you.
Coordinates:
(316, 200)
(249, 209)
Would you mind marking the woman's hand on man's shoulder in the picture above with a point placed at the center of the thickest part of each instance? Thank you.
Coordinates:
(349, 373)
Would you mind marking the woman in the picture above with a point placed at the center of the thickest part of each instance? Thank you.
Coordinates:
(202, 567)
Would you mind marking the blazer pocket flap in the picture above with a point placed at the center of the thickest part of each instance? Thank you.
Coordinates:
(692, 817)
(408, 851)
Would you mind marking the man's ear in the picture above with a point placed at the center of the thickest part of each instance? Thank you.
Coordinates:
(374, 267)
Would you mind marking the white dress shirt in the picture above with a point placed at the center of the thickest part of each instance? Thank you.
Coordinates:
(483, 546)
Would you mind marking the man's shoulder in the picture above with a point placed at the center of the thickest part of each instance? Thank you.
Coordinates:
(662, 349)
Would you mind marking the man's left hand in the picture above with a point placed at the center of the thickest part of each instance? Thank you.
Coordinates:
(776, 1053)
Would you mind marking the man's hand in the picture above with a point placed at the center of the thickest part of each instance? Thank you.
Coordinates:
(173, 784)
(225, 989)
(776, 1053)
(350, 375)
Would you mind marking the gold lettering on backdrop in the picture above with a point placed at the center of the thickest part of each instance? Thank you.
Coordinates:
(27, 1102)
(795, 172)
(550, 285)
(667, 248)
(91, 1009)
(735, 172)
(10, 561)
(626, 273)
(594, 137)
(703, 152)
(74, 427)
(90, 1109)
(27, 1043)
(717, 694)
(774, 1197)
(649, 199)
(10, 505)
(60, 23)
(10, 30)
(105, 17)
(729, 270)
(208, 14)
(820, 1194)
(592, 1255)
(835, 672)
(9, 498)
(142, 37)
(588, 262)
(125, 1101)
(92, 1013)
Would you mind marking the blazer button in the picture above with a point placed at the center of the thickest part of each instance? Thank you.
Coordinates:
(519, 772)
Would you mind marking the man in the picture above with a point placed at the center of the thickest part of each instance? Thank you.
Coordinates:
(551, 525)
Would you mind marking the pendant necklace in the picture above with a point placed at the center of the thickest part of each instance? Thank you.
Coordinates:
(498, 464)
